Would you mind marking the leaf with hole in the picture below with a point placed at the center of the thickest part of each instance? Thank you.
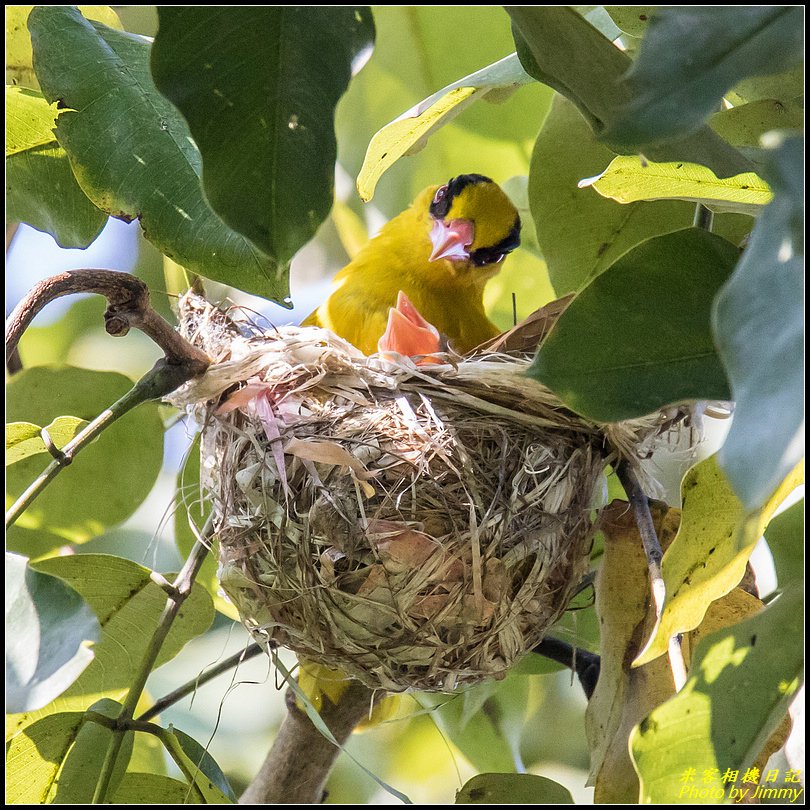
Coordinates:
(630, 179)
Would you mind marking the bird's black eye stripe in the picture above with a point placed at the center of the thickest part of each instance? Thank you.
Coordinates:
(490, 255)
(442, 202)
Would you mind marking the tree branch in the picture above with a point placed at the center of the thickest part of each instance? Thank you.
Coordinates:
(127, 307)
(585, 664)
(296, 769)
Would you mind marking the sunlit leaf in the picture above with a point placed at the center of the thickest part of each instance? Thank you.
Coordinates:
(19, 68)
(512, 788)
(691, 56)
(632, 20)
(29, 120)
(34, 756)
(758, 323)
(151, 788)
(258, 86)
(412, 129)
(638, 336)
(630, 179)
(205, 762)
(24, 439)
(111, 100)
(745, 125)
(782, 87)
(785, 536)
(49, 628)
(40, 187)
(737, 694)
(707, 559)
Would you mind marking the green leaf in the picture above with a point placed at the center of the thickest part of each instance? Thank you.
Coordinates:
(151, 788)
(564, 51)
(34, 756)
(29, 120)
(629, 179)
(258, 87)
(638, 336)
(19, 68)
(79, 775)
(512, 788)
(691, 56)
(48, 630)
(632, 20)
(205, 787)
(128, 605)
(744, 126)
(110, 478)
(758, 323)
(40, 187)
(782, 87)
(785, 536)
(24, 439)
(738, 691)
(708, 556)
(205, 762)
(581, 234)
(410, 132)
(111, 100)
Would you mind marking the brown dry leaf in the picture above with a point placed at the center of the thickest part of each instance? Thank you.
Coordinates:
(325, 452)
(529, 333)
(625, 695)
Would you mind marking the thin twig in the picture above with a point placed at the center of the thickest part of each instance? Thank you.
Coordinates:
(652, 549)
(251, 651)
(585, 664)
(182, 588)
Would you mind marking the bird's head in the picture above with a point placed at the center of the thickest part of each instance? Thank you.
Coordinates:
(473, 223)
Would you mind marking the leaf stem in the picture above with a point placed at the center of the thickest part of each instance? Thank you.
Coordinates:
(585, 664)
(652, 549)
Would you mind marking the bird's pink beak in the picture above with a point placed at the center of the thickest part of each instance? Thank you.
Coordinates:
(408, 332)
(451, 239)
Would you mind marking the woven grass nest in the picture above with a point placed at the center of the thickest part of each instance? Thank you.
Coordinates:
(415, 526)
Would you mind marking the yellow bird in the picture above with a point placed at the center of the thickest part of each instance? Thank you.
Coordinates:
(440, 252)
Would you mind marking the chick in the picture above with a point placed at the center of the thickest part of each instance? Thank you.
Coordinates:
(440, 252)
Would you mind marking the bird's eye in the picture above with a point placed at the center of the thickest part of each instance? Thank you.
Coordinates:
(440, 194)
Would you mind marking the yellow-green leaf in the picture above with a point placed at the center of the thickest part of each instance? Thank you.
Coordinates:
(19, 67)
(24, 439)
(409, 133)
(708, 556)
(631, 178)
(29, 120)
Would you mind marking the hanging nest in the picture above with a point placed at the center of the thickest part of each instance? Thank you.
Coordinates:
(415, 526)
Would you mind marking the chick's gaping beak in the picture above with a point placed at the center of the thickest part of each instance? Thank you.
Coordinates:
(451, 239)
